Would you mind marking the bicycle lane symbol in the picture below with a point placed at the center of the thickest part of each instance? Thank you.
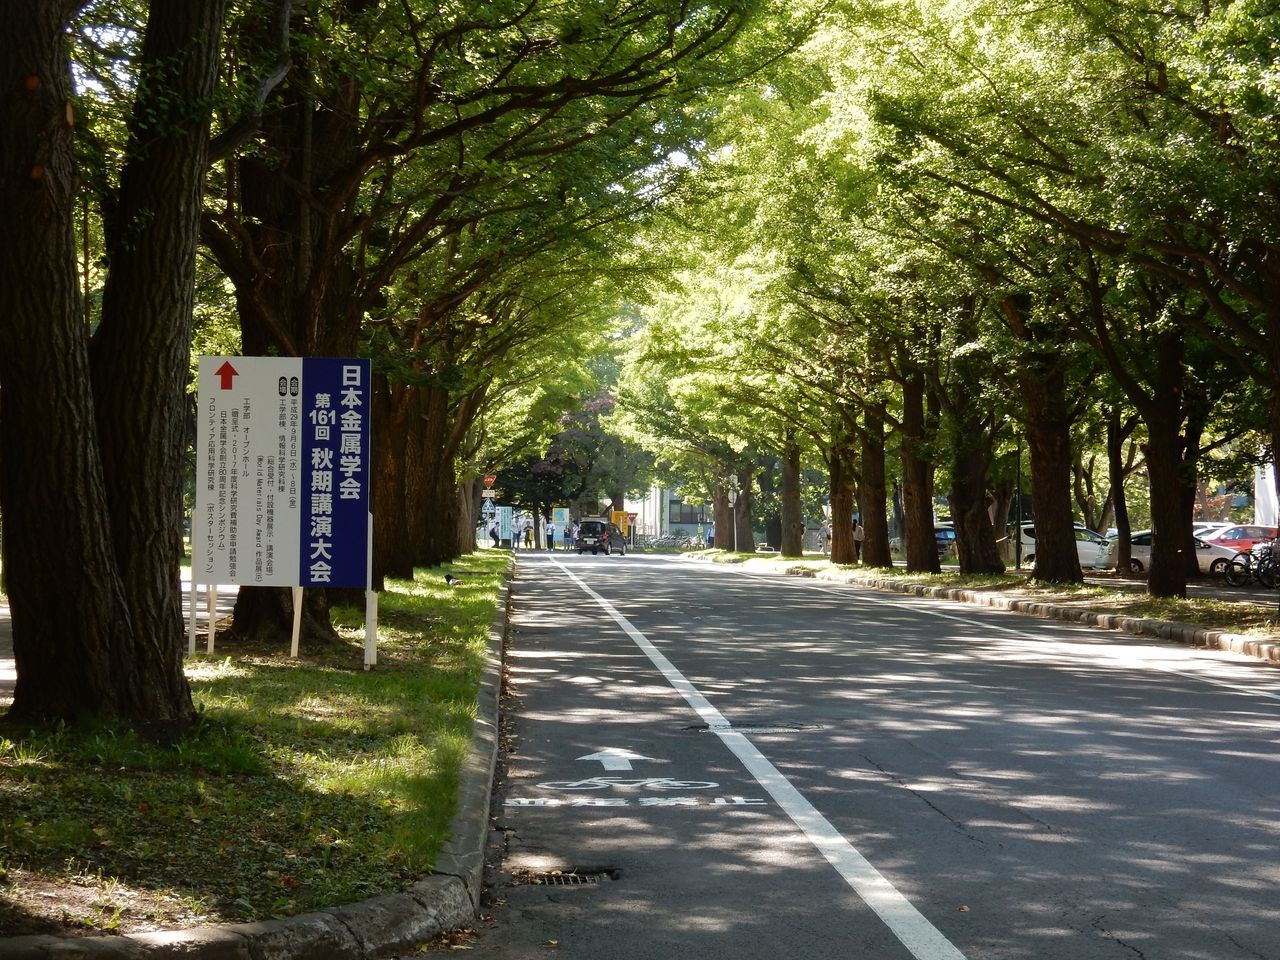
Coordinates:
(652, 783)
(664, 785)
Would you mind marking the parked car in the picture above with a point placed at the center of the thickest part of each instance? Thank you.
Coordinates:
(1205, 529)
(1091, 549)
(944, 536)
(600, 536)
(1210, 557)
(1241, 537)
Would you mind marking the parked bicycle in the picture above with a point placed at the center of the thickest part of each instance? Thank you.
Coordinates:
(1260, 565)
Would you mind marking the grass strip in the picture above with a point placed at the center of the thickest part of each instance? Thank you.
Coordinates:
(305, 784)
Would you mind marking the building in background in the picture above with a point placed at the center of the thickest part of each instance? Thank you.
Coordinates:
(662, 511)
(1265, 508)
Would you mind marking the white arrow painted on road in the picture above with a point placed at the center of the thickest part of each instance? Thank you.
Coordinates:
(615, 759)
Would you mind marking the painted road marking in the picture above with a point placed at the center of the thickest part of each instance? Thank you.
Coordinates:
(917, 934)
(725, 802)
(651, 783)
(615, 759)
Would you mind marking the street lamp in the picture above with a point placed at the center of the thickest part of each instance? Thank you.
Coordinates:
(733, 514)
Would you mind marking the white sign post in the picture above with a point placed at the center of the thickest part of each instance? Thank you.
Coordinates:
(282, 476)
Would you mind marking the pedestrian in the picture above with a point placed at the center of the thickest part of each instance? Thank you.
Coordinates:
(551, 535)
(858, 535)
(570, 534)
(493, 535)
(824, 534)
(528, 533)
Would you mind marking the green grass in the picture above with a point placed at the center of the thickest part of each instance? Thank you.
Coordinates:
(305, 784)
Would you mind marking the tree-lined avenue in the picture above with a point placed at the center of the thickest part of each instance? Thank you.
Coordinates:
(1034, 790)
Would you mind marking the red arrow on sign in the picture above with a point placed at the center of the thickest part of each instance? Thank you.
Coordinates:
(226, 373)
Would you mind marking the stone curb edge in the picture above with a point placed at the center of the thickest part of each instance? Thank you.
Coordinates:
(1138, 626)
(379, 927)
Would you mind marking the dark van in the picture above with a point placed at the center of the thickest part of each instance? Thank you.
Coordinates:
(600, 536)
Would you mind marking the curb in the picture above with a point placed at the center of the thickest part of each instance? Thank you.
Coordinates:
(1185, 633)
(378, 927)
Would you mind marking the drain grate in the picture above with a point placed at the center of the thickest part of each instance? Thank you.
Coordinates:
(563, 878)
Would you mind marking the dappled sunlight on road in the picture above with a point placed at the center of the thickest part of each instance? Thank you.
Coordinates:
(1071, 785)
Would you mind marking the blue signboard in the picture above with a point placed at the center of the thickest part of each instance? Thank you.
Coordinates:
(335, 490)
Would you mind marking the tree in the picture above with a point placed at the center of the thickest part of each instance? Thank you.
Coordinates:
(92, 476)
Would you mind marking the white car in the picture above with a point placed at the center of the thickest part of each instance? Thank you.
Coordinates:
(1205, 529)
(1211, 557)
(1090, 547)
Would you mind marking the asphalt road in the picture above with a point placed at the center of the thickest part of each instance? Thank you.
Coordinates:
(902, 778)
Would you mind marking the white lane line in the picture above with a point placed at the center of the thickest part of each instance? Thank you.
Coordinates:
(1062, 647)
(917, 934)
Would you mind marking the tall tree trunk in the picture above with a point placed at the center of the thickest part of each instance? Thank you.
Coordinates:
(71, 626)
(264, 615)
(468, 514)
(792, 510)
(769, 481)
(872, 491)
(438, 480)
(417, 468)
(976, 547)
(141, 351)
(392, 548)
(917, 480)
(1042, 385)
(842, 462)
(972, 426)
(723, 515)
(1117, 433)
(1198, 410)
(743, 508)
(617, 500)
(1168, 574)
(998, 510)
(1163, 417)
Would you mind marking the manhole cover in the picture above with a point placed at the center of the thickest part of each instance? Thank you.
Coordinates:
(756, 726)
(563, 878)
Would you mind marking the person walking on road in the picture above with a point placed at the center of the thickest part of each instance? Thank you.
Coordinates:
(551, 535)
(858, 535)
(493, 535)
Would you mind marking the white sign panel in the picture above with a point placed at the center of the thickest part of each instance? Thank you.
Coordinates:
(282, 472)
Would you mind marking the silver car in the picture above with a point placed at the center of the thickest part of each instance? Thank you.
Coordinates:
(1091, 548)
(1210, 557)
